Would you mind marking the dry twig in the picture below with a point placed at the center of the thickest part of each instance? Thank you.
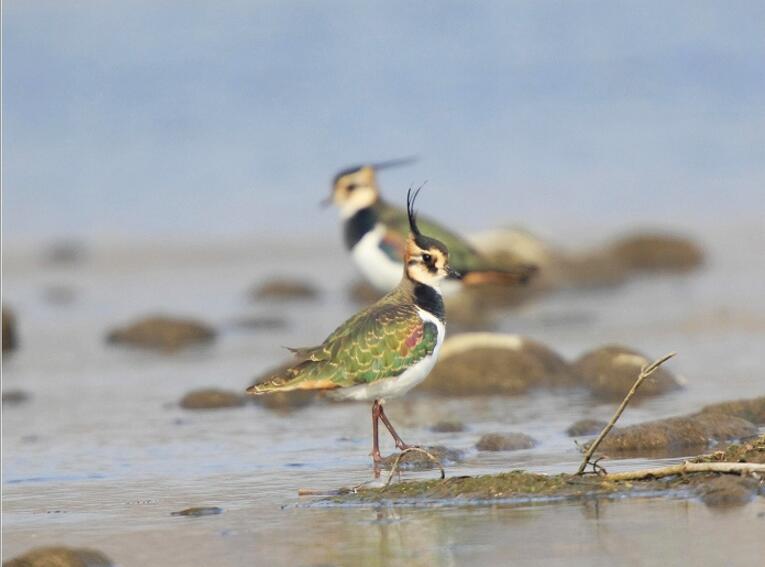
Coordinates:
(687, 467)
(645, 372)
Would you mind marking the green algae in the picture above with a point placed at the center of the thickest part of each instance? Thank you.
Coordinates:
(519, 485)
(750, 452)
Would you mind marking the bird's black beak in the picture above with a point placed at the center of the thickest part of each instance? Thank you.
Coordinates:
(324, 203)
(453, 274)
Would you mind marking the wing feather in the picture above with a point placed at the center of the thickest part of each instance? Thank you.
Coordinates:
(378, 343)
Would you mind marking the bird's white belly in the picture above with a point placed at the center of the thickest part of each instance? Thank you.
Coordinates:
(396, 386)
(376, 265)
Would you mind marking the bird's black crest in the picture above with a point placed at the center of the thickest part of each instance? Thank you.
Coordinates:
(397, 162)
(387, 164)
(411, 197)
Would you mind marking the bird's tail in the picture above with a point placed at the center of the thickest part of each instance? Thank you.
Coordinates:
(518, 275)
(288, 379)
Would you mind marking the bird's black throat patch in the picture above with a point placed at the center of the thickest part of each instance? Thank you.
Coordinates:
(358, 225)
(427, 298)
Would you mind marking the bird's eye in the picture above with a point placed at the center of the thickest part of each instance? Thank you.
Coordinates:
(351, 187)
(427, 258)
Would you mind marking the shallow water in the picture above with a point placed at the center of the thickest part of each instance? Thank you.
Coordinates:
(101, 454)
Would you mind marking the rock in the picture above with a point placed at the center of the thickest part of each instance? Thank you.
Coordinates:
(285, 289)
(467, 312)
(610, 371)
(585, 427)
(727, 491)
(693, 431)
(505, 442)
(512, 246)
(261, 323)
(479, 303)
(65, 253)
(490, 363)
(655, 252)
(59, 294)
(751, 410)
(283, 401)
(14, 397)
(10, 336)
(557, 268)
(448, 427)
(162, 333)
(212, 398)
(591, 270)
(363, 293)
(287, 401)
(60, 557)
(418, 461)
(199, 511)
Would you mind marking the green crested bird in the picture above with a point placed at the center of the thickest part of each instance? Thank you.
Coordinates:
(388, 348)
(376, 234)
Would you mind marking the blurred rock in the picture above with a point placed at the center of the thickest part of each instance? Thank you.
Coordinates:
(467, 312)
(199, 511)
(694, 431)
(585, 427)
(751, 410)
(557, 268)
(59, 294)
(656, 252)
(418, 461)
(287, 401)
(477, 304)
(10, 335)
(261, 323)
(285, 289)
(610, 371)
(65, 253)
(505, 442)
(727, 491)
(363, 293)
(591, 270)
(212, 398)
(448, 427)
(14, 397)
(162, 333)
(512, 246)
(283, 401)
(60, 557)
(489, 363)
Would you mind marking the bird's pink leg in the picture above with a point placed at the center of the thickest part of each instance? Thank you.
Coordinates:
(400, 445)
(376, 412)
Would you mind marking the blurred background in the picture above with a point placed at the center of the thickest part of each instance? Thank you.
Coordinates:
(162, 165)
(144, 120)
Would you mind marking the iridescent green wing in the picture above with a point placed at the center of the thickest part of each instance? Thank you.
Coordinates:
(379, 343)
(462, 256)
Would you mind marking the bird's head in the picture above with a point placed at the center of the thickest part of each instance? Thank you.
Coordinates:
(426, 259)
(356, 188)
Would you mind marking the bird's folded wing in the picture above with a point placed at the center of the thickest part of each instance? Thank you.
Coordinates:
(378, 343)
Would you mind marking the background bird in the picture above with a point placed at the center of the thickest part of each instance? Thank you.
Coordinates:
(388, 348)
(376, 232)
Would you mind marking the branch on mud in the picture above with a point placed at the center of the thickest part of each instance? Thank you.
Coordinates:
(645, 372)
(686, 467)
